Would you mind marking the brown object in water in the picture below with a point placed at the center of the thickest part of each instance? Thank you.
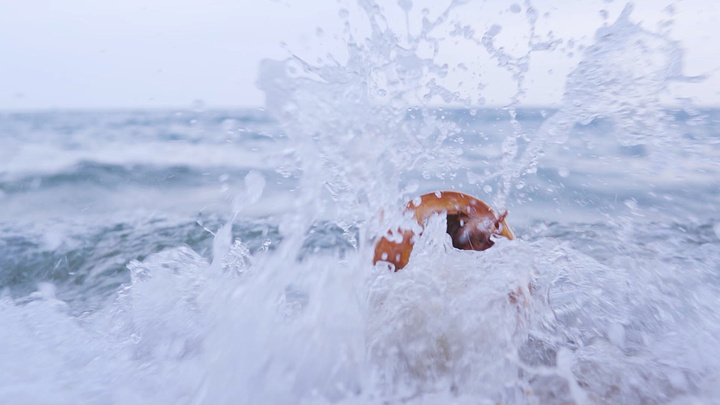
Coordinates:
(470, 223)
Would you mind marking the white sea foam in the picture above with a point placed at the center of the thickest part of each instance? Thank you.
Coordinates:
(620, 311)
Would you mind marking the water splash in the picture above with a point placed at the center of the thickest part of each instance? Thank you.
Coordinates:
(618, 311)
(547, 323)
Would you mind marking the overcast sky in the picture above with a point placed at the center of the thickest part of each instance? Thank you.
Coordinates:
(169, 53)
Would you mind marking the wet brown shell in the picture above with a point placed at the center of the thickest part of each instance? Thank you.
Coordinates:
(470, 223)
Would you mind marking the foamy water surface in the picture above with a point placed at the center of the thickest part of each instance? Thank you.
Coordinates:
(224, 257)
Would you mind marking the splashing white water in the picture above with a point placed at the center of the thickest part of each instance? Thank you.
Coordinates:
(528, 321)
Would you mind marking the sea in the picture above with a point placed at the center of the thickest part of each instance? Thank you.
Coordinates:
(205, 256)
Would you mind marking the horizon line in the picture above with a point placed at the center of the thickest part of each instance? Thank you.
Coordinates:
(206, 108)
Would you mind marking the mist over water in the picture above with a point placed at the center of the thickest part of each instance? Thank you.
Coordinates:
(210, 257)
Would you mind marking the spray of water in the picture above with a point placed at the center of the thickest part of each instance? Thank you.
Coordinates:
(539, 324)
(529, 321)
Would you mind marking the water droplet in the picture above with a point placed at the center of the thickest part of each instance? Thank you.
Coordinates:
(412, 187)
(487, 188)
(515, 8)
(255, 185)
(343, 13)
(632, 204)
(319, 32)
(563, 172)
(532, 15)
(382, 92)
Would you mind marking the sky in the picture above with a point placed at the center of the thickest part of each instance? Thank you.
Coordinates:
(90, 54)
